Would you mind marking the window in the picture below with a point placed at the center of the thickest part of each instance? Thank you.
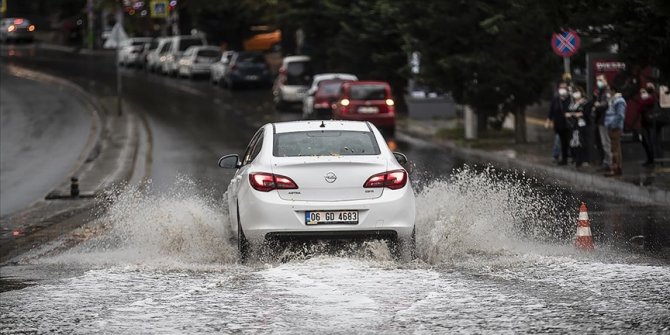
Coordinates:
(254, 148)
(367, 92)
(325, 143)
(298, 73)
(188, 42)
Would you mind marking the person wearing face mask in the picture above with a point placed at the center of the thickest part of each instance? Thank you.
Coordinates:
(559, 106)
(600, 105)
(649, 129)
(577, 120)
(614, 118)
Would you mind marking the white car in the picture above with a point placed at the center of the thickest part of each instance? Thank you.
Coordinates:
(178, 45)
(197, 60)
(308, 99)
(157, 56)
(319, 180)
(292, 81)
(218, 69)
(130, 50)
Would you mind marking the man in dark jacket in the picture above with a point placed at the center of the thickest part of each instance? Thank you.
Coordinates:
(560, 105)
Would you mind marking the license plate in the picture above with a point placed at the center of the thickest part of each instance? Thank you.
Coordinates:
(331, 217)
(251, 77)
(368, 110)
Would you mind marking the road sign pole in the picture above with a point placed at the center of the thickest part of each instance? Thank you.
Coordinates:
(566, 65)
(119, 102)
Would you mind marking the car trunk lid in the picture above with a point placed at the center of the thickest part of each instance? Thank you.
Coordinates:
(330, 178)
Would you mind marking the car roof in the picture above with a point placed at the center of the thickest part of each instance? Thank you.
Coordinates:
(368, 82)
(289, 59)
(326, 76)
(315, 125)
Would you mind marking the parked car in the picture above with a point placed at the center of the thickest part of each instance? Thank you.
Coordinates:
(16, 29)
(177, 47)
(148, 48)
(292, 81)
(218, 69)
(130, 50)
(197, 60)
(319, 180)
(308, 100)
(157, 56)
(247, 68)
(367, 101)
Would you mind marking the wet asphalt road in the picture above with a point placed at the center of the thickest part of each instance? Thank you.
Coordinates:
(495, 250)
(43, 130)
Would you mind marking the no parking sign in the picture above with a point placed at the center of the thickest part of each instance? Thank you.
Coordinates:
(565, 43)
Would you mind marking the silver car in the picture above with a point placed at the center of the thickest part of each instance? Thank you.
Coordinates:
(218, 69)
(197, 60)
(178, 45)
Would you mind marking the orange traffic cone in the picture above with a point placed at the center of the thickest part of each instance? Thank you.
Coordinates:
(584, 240)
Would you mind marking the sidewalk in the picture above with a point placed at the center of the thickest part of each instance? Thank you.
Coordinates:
(109, 159)
(498, 148)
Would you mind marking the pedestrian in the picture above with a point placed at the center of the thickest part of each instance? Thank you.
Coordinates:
(650, 127)
(559, 106)
(614, 118)
(577, 120)
(600, 105)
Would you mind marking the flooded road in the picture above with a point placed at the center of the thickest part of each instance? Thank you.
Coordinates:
(496, 250)
(164, 264)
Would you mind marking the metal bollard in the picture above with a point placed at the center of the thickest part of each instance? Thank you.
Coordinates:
(74, 187)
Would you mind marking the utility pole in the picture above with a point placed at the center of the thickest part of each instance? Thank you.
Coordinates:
(90, 6)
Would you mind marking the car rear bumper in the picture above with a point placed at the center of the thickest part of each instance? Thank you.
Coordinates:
(271, 217)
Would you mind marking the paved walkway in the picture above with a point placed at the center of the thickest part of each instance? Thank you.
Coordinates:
(649, 185)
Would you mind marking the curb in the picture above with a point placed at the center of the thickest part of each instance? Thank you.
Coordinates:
(574, 179)
(108, 159)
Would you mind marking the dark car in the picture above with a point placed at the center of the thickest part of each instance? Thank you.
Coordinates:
(247, 68)
(367, 101)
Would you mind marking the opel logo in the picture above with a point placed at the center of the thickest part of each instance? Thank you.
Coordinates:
(331, 177)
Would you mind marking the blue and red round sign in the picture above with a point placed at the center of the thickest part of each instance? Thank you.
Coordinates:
(565, 43)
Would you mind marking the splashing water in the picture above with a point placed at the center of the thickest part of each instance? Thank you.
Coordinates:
(180, 226)
(471, 213)
(486, 212)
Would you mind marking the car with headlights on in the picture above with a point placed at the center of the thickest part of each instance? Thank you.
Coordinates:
(367, 101)
(16, 29)
(327, 93)
(319, 180)
(198, 60)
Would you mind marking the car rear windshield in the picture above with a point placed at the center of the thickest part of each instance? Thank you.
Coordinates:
(330, 88)
(325, 143)
(251, 61)
(367, 92)
(297, 73)
(209, 53)
(189, 42)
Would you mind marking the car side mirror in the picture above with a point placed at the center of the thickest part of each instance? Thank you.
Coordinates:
(401, 158)
(230, 161)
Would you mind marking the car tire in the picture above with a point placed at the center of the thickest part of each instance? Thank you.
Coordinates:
(242, 244)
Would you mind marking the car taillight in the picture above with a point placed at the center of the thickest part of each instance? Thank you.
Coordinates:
(266, 182)
(394, 180)
(389, 102)
(344, 102)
